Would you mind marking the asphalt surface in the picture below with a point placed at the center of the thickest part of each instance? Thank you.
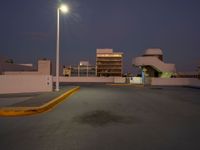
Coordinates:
(111, 118)
(30, 99)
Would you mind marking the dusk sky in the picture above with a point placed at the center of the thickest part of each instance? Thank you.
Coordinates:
(28, 30)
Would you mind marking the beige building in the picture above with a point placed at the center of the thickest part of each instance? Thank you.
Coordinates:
(109, 63)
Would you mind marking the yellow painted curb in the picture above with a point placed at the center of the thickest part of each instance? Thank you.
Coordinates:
(24, 111)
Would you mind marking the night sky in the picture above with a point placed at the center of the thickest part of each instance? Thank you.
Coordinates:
(28, 30)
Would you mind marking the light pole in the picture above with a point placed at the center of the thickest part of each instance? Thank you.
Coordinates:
(64, 9)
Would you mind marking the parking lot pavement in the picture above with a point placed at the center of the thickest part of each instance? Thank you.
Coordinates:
(30, 99)
(102, 117)
(9, 101)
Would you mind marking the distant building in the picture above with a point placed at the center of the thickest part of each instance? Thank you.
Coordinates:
(84, 69)
(109, 63)
(84, 63)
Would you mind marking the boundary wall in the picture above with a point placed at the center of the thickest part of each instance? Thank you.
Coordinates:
(25, 83)
(85, 79)
(176, 82)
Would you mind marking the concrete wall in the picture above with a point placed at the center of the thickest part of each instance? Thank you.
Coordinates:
(119, 80)
(20, 73)
(176, 82)
(135, 80)
(194, 83)
(86, 79)
(44, 67)
(25, 83)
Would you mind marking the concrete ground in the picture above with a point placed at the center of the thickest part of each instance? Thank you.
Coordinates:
(101, 117)
(30, 99)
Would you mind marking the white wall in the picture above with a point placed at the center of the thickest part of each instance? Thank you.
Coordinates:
(119, 79)
(176, 81)
(86, 79)
(25, 83)
(136, 80)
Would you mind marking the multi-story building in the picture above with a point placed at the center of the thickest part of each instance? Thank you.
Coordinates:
(109, 63)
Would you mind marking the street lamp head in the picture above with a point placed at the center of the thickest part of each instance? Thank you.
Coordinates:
(64, 8)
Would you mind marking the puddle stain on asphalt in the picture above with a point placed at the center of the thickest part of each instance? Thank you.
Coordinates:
(102, 118)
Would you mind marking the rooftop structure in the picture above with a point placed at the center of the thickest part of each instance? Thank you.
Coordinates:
(43, 68)
(152, 64)
(155, 52)
(9, 65)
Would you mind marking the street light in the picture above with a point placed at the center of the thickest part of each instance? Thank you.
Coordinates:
(65, 9)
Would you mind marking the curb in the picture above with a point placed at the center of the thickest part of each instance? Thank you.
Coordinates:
(119, 84)
(24, 111)
(122, 84)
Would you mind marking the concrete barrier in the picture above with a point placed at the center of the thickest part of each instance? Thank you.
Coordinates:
(119, 80)
(175, 82)
(25, 83)
(85, 79)
(135, 80)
